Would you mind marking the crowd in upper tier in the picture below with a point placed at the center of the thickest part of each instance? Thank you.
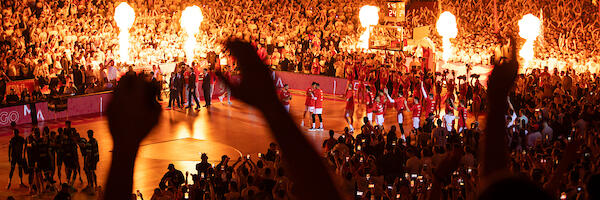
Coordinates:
(45, 39)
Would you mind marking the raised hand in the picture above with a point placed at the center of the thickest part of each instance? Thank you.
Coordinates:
(133, 111)
(256, 86)
(494, 150)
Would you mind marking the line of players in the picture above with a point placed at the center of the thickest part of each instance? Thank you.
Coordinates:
(376, 104)
(42, 154)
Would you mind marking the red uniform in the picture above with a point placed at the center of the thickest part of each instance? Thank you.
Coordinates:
(405, 87)
(430, 105)
(319, 98)
(450, 88)
(285, 96)
(379, 108)
(462, 116)
(350, 102)
(310, 101)
(416, 110)
(370, 100)
(399, 103)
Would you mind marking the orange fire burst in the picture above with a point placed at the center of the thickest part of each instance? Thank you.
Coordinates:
(190, 21)
(529, 29)
(446, 27)
(368, 15)
(124, 17)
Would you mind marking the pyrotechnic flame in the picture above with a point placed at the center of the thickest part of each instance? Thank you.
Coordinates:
(190, 21)
(368, 15)
(446, 27)
(529, 29)
(124, 16)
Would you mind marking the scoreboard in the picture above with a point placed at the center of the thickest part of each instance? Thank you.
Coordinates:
(395, 11)
(386, 37)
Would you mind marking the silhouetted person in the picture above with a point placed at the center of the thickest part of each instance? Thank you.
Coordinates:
(206, 88)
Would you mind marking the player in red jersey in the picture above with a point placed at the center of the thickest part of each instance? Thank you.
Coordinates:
(438, 96)
(379, 106)
(349, 111)
(400, 104)
(416, 113)
(450, 86)
(429, 101)
(318, 107)
(370, 100)
(309, 103)
(285, 97)
(378, 110)
(462, 117)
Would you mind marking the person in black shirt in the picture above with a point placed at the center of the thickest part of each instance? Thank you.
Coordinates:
(203, 167)
(173, 178)
(130, 71)
(59, 142)
(179, 83)
(192, 89)
(32, 155)
(15, 156)
(44, 156)
(78, 79)
(206, 88)
(173, 94)
(70, 156)
(272, 153)
(92, 156)
(220, 168)
(52, 143)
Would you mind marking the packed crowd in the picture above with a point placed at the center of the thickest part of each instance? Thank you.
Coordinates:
(54, 39)
(42, 155)
(262, 178)
(549, 112)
